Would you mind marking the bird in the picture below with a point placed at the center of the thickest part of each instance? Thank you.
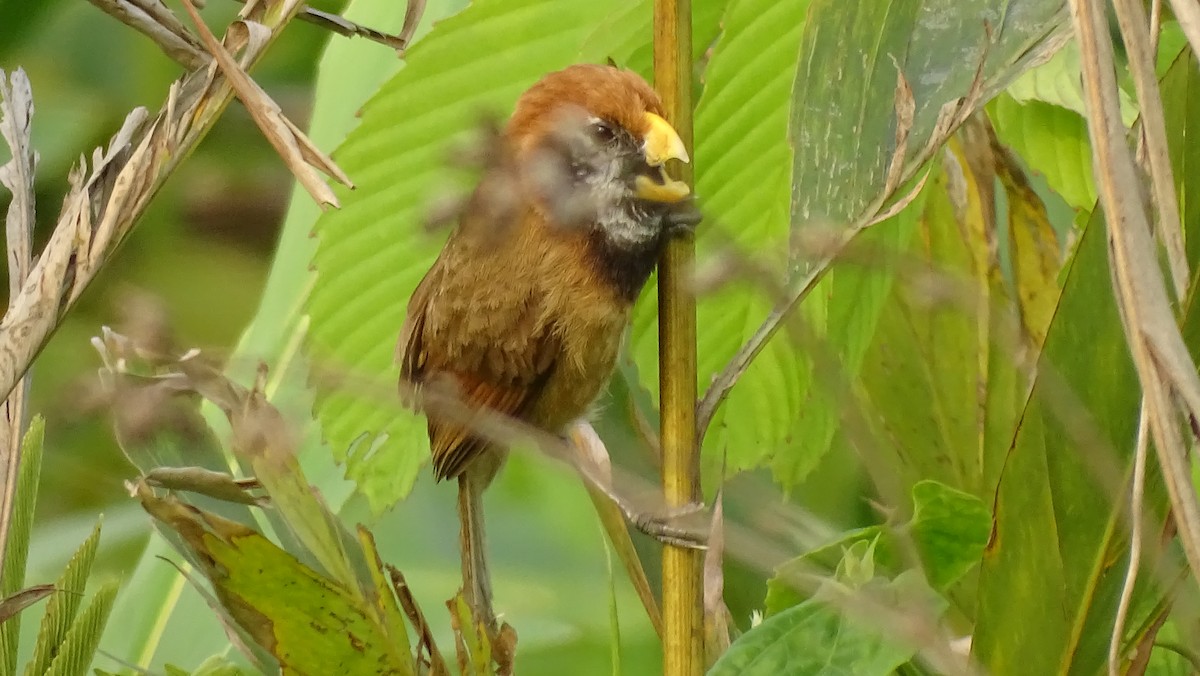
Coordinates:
(523, 312)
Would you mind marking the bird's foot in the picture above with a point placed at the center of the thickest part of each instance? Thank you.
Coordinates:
(677, 526)
(682, 218)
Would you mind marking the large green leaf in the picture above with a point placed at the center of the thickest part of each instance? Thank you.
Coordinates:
(374, 250)
(1059, 539)
(1051, 140)
(310, 623)
(1050, 515)
(846, 136)
(942, 374)
(842, 126)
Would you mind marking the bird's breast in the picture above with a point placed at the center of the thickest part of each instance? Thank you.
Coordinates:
(590, 344)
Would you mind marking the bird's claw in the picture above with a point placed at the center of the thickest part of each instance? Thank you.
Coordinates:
(667, 529)
(682, 218)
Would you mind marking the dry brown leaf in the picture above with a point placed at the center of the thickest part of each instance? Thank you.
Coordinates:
(16, 123)
(293, 146)
(23, 599)
(155, 21)
(104, 204)
(1135, 30)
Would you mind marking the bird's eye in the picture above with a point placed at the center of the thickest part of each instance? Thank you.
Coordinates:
(603, 131)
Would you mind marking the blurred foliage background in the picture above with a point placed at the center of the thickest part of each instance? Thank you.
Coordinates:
(203, 252)
(203, 249)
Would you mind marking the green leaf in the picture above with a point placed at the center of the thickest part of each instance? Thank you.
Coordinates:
(1034, 249)
(1052, 141)
(1181, 108)
(844, 142)
(78, 648)
(1059, 82)
(386, 606)
(814, 638)
(12, 569)
(844, 138)
(1050, 509)
(626, 36)
(782, 589)
(939, 377)
(857, 567)
(950, 529)
(60, 611)
(1059, 539)
(374, 250)
(311, 623)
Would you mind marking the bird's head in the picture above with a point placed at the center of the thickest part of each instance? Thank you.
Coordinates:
(593, 144)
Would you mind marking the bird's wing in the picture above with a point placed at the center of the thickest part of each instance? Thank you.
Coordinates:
(495, 357)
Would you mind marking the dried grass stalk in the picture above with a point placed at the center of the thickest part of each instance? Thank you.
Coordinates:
(105, 201)
(16, 119)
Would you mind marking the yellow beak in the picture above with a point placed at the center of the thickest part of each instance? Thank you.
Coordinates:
(660, 144)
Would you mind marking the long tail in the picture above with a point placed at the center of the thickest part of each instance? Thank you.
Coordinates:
(477, 581)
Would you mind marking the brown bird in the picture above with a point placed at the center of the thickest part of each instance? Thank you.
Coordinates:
(524, 310)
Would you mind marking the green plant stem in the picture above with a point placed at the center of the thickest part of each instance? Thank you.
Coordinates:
(683, 625)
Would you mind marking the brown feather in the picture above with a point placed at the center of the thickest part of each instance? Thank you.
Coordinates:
(518, 313)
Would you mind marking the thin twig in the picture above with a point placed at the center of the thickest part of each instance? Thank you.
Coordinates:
(105, 203)
(347, 28)
(16, 119)
(737, 366)
(1136, 497)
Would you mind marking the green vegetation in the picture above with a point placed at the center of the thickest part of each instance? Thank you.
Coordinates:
(945, 341)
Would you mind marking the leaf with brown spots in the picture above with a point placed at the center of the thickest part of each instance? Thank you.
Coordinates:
(310, 623)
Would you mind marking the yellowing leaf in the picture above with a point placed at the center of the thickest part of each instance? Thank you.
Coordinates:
(311, 624)
(1036, 254)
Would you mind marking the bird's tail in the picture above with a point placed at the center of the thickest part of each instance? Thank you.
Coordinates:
(477, 581)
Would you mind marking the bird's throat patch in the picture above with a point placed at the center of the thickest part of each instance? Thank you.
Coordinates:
(626, 265)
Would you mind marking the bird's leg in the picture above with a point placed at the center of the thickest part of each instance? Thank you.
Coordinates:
(477, 581)
(664, 527)
(592, 462)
